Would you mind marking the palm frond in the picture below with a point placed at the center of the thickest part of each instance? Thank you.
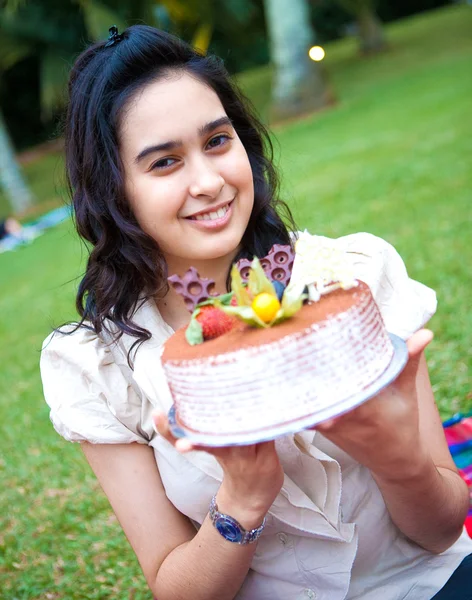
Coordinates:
(53, 82)
(12, 50)
(11, 6)
(99, 18)
(202, 38)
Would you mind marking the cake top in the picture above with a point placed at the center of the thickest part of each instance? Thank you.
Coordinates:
(313, 314)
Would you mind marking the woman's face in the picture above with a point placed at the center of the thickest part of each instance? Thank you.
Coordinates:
(187, 174)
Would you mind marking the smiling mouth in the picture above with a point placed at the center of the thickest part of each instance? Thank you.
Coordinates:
(212, 215)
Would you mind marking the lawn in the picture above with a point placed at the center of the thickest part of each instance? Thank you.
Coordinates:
(392, 158)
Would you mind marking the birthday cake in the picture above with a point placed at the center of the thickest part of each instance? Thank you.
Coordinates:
(297, 338)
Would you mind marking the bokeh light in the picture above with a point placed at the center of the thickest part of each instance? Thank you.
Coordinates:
(316, 53)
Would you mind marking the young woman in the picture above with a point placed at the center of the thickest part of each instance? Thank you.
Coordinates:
(169, 168)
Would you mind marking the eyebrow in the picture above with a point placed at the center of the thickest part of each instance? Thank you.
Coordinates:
(172, 144)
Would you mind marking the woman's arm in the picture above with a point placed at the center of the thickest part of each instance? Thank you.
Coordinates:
(178, 562)
(399, 437)
(427, 499)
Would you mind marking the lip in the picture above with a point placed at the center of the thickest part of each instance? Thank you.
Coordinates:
(215, 223)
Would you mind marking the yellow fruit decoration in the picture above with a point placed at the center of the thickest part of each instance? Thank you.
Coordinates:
(265, 306)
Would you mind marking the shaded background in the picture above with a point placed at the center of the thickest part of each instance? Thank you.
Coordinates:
(377, 137)
(62, 26)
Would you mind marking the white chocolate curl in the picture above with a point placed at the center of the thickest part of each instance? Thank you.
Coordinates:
(322, 265)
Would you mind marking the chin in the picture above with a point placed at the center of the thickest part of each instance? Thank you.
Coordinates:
(217, 247)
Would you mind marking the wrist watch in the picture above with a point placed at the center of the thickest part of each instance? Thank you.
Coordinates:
(230, 529)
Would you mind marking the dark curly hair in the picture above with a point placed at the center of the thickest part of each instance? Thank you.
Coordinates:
(125, 265)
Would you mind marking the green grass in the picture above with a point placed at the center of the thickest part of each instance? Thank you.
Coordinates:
(392, 157)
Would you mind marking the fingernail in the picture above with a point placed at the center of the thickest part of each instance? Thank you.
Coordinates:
(183, 445)
(156, 421)
(326, 424)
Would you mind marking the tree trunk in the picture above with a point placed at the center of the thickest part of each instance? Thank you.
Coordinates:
(11, 178)
(371, 35)
(299, 86)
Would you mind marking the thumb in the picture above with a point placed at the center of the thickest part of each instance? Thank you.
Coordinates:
(416, 345)
(418, 342)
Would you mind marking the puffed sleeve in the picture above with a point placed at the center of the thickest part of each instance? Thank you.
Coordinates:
(84, 388)
(406, 305)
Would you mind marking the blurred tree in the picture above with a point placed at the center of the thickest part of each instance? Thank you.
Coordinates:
(51, 31)
(370, 30)
(232, 29)
(11, 178)
(299, 85)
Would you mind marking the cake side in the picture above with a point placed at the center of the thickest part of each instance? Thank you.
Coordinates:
(253, 378)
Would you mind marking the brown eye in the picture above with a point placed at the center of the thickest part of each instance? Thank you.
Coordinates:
(164, 163)
(218, 140)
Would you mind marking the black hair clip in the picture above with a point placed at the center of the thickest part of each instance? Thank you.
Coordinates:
(114, 36)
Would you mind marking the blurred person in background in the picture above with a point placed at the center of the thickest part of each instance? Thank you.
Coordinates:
(10, 226)
(371, 506)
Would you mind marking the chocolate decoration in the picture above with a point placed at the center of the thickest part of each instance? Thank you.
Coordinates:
(277, 264)
(195, 289)
(192, 288)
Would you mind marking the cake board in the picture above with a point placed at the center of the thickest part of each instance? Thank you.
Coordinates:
(398, 362)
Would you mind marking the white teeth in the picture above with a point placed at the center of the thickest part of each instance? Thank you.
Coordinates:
(211, 216)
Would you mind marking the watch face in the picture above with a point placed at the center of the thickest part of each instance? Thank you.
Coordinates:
(228, 529)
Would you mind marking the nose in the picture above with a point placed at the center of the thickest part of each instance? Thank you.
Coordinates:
(206, 180)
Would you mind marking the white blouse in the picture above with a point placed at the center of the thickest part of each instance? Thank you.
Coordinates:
(328, 534)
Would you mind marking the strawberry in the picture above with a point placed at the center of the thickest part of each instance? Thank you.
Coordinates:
(214, 322)
(234, 301)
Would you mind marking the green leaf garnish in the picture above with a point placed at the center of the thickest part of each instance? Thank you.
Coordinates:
(194, 331)
(258, 281)
(292, 300)
(225, 299)
(245, 314)
(238, 288)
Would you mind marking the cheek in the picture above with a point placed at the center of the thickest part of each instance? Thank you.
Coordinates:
(154, 200)
(240, 172)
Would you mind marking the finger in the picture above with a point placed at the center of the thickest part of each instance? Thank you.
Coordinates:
(264, 450)
(265, 447)
(183, 446)
(325, 425)
(225, 451)
(418, 342)
(416, 345)
(160, 423)
(161, 426)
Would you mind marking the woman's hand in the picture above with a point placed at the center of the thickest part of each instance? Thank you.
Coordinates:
(383, 433)
(252, 478)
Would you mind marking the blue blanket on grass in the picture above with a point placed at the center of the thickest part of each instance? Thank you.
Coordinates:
(32, 230)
